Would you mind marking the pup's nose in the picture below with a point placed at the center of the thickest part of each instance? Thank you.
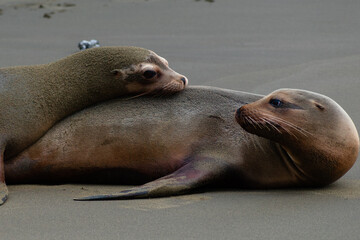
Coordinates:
(185, 80)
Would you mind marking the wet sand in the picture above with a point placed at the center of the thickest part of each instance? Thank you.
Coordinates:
(255, 46)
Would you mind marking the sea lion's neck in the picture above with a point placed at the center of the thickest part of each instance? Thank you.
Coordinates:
(318, 163)
(292, 164)
(83, 79)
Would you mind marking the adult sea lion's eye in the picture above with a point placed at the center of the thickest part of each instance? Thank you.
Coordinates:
(148, 74)
(276, 102)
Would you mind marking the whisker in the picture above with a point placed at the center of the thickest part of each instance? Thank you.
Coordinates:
(271, 124)
(268, 121)
(290, 132)
(250, 120)
(297, 128)
(264, 124)
(255, 123)
(139, 95)
(168, 89)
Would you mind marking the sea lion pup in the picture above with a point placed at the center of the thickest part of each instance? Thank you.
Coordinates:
(34, 98)
(192, 139)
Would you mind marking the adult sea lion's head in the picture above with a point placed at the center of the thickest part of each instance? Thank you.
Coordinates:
(318, 136)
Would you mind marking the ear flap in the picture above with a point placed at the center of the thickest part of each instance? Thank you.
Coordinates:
(118, 73)
(124, 72)
(319, 106)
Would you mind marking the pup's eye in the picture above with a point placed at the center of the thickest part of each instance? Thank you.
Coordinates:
(148, 74)
(276, 102)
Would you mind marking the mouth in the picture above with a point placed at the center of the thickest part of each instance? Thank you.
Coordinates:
(171, 88)
(248, 121)
(240, 118)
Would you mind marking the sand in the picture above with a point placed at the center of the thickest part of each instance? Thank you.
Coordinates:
(255, 46)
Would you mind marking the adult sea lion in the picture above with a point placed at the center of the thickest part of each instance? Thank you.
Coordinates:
(192, 139)
(34, 98)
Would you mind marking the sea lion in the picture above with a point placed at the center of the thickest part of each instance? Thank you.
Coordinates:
(192, 139)
(34, 98)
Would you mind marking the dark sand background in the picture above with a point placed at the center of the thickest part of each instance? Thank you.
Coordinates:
(255, 46)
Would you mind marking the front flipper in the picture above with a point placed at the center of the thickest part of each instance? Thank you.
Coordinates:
(196, 173)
